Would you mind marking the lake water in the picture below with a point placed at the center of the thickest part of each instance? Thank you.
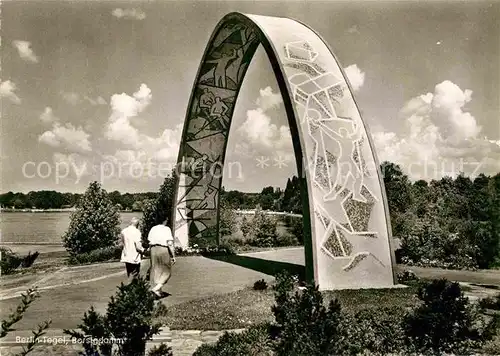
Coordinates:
(41, 227)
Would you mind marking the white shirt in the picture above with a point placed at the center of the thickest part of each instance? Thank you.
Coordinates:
(131, 239)
(160, 235)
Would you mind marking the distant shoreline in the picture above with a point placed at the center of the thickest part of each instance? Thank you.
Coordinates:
(53, 211)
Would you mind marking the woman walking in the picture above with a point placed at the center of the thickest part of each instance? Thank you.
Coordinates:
(162, 253)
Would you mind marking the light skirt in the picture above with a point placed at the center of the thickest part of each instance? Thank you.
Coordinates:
(161, 266)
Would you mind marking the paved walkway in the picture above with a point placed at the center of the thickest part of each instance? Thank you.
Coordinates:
(182, 342)
(68, 294)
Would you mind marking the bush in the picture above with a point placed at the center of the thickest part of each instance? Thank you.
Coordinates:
(94, 225)
(224, 249)
(161, 350)
(378, 331)
(260, 285)
(297, 228)
(261, 230)
(445, 322)
(304, 326)
(406, 276)
(245, 226)
(490, 303)
(252, 342)
(26, 300)
(29, 259)
(110, 253)
(129, 321)
(11, 261)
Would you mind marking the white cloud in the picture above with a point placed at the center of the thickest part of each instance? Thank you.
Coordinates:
(356, 76)
(268, 100)
(25, 51)
(123, 108)
(7, 90)
(139, 149)
(133, 14)
(441, 138)
(67, 136)
(258, 135)
(48, 116)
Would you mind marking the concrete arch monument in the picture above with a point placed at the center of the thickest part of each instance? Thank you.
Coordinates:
(346, 223)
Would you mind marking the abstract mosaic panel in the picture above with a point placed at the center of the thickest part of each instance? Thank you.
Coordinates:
(206, 131)
(346, 204)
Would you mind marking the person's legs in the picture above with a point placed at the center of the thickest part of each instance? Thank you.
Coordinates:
(163, 270)
(153, 267)
(135, 269)
(130, 271)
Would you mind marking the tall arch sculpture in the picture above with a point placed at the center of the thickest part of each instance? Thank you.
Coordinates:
(346, 225)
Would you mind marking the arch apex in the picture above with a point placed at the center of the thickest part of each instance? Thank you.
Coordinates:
(344, 205)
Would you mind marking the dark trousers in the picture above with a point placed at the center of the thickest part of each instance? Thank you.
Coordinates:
(133, 269)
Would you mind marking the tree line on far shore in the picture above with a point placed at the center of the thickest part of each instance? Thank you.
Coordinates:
(451, 222)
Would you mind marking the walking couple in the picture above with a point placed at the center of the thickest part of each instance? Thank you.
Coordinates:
(162, 253)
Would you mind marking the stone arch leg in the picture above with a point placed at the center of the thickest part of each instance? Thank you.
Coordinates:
(345, 210)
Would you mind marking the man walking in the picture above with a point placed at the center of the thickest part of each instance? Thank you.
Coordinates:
(132, 249)
(161, 244)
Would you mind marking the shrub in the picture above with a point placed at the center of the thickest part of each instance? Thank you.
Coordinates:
(490, 303)
(29, 259)
(223, 249)
(246, 226)
(297, 228)
(260, 285)
(26, 300)
(95, 224)
(9, 260)
(304, 326)
(262, 230)
(100, 255)
(378, 331)
(129, 318)
(445, 322)
(160, 350)
(406, 276)
(252, 342)
(286, 239)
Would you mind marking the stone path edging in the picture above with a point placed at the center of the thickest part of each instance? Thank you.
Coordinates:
(23, 289)
(182, 342)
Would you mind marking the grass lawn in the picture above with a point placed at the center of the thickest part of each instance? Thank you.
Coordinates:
(245, 307)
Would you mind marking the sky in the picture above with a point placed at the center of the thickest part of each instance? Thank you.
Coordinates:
(95, 90)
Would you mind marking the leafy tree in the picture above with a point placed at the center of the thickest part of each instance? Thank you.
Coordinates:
(266, 201)
(227, 219)
(263, 230)
(157, 210)
(95, 224)
(398, 188)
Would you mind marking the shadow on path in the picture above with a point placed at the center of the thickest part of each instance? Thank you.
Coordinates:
(269, 267)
